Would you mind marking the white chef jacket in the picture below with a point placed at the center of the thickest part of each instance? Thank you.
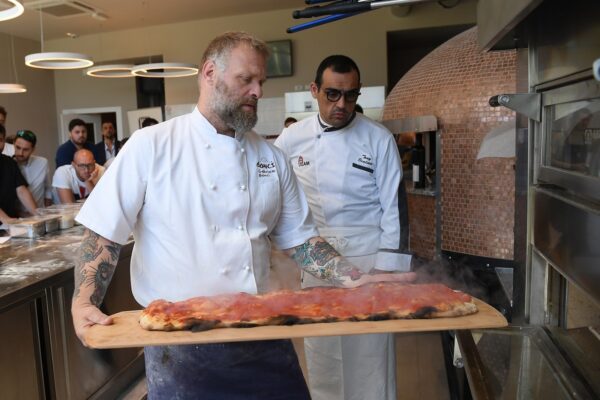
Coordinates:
(351, 178)
(37, 174)
(200, 205)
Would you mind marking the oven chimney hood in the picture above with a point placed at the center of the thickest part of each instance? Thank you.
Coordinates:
(499, 23)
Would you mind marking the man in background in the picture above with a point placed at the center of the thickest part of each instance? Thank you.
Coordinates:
(149, 121)
(109, 146)
(77, 141)
(77, 180)
(35, 169)
(350, 170)
(289, 121)
(5, 148)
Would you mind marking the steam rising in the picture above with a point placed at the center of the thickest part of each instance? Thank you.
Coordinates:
(457, 276)
(285, 274)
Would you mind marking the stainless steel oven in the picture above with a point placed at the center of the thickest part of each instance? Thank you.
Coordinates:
(570, 139)
(554, 351)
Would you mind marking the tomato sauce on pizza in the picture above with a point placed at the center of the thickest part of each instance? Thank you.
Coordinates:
(376, 301)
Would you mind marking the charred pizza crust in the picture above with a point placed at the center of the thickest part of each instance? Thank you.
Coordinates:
(379, 301)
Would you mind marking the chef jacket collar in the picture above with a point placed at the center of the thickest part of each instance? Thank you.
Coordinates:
(328, 128)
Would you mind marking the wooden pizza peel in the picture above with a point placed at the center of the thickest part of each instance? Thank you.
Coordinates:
(126, 331)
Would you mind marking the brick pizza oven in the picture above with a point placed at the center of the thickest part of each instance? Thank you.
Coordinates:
(454, 83)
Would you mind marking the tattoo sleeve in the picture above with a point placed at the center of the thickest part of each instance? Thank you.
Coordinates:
(96, 263)
(320, 259)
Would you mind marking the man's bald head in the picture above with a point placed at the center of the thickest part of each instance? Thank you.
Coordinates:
(84, 164)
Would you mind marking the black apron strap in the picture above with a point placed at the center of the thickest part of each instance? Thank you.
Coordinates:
(266, 370)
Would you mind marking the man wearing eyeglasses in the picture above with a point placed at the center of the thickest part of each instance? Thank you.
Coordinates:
(350, 170)
(77, 180)
(35, 169)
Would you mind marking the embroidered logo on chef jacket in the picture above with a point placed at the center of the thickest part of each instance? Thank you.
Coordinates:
(302, 163)
(364, 162)
(265, 167)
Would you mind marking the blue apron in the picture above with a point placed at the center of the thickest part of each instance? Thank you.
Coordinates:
(265, 370)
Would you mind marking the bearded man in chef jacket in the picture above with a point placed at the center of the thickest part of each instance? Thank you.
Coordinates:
(203, 194)
(350, 170)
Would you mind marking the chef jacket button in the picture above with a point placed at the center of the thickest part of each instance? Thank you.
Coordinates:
(240, 227)
(242, 187)
(242, 150)
(213, 186)
(247, 267)
(207, 146)
(224, 271)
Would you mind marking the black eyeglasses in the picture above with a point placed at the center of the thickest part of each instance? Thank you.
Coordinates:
(27, 135)
(334, 95)
(86, 166)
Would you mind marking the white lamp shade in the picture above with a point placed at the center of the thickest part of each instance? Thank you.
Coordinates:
(110, 71)
(12, 88)
(58, 60)
(13, 12)
(169, 70)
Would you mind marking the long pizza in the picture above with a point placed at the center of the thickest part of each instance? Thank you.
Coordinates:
(376, 301)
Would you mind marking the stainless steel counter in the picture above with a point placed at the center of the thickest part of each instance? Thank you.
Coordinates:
(40, 356)
(25, 263)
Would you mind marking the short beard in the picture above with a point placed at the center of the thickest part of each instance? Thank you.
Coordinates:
(230, 112)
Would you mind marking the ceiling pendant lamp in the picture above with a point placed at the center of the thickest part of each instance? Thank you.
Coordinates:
(165, 70)
(13, 87)
(56, 60)
(13, 12)
(110, 71)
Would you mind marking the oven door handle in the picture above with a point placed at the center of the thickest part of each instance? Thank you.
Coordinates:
(528, 104)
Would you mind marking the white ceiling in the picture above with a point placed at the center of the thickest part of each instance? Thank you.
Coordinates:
(126, 14)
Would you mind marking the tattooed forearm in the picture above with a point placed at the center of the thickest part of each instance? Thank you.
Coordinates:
(114, 250)
(318, 258)
(89, 249)
(95, 267)
(99, 280)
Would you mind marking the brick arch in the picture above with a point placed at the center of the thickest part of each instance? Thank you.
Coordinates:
(454, 83)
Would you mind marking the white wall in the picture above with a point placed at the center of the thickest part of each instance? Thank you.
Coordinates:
(36, 109)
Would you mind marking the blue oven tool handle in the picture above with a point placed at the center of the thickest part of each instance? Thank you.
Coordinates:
(320, 21)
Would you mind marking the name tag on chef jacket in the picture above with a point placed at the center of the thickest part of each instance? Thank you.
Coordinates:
(265, 168)
(364, 162)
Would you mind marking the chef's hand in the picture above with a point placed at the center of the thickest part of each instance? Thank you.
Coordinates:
(381, 276)
(86, 315)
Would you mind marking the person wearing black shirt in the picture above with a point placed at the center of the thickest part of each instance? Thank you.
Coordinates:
(13, 186)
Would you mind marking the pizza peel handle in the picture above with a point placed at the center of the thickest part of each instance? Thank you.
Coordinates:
(127, 332)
